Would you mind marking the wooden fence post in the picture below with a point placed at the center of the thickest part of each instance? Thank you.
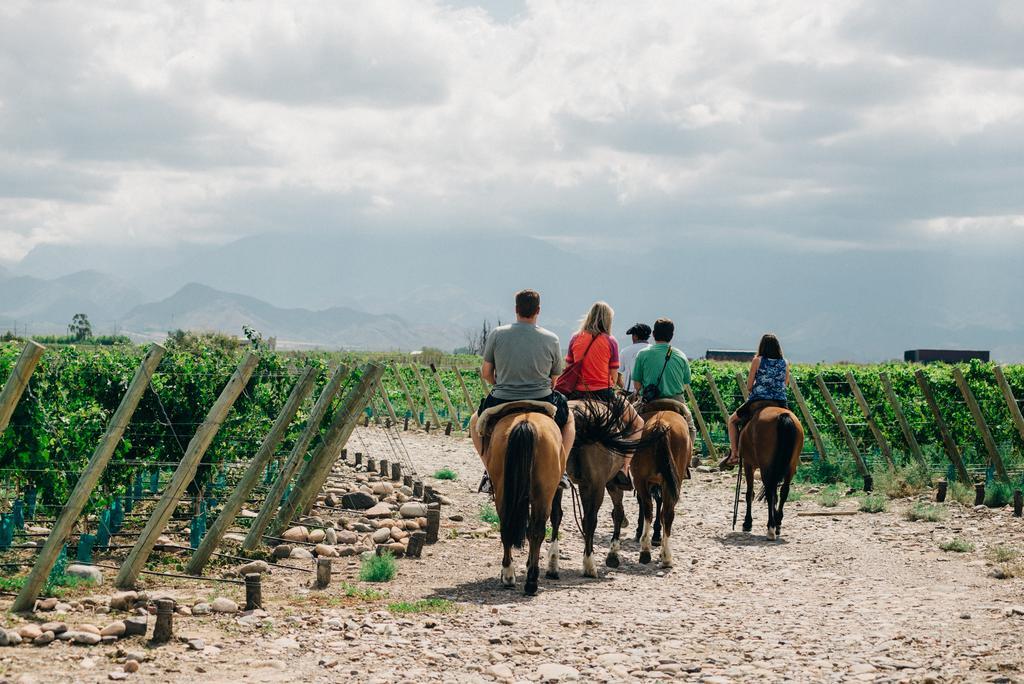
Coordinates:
(742, 382)
(1011, 401)
(251, 477)
(869, 417)
(18, 381)
(718, 398)
(298, 452)
(426, 393)
(465, 391)
(452, 413)
(704, 433)
(483, 383)
(316, 470)
(387, 402)
(947, 440)
(812, 424)
(841, 424)
(994, 459)
(413, 409)
(87, 482)
(908, 434)
(185, 472)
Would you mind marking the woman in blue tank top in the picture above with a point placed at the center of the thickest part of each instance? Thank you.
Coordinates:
(766, 385)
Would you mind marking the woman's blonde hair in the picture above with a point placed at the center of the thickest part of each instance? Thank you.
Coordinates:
(598, 320)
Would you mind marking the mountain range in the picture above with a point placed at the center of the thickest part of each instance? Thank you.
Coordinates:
(377, 291)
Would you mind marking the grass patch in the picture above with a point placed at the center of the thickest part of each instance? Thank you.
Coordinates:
(998, 494)
(57, 587)
(829, 497)
(908, 480)
(874, 503)
(795, 494)
(434, 605)
(926, 512)
(380, 568)
(1003, 554)
(957, 545)
(362, 593)
(489, 515)
(446, 473)
(961, 493)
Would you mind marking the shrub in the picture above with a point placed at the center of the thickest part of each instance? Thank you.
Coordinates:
(957, 545)
(998, 494)
(961, 493)
(908, 480)
(874, 503)
(433, 605)
(364, 594)
(925, 512)
(1003, 554)
(829, 497)
(380, 568)
(446, 473)
(489, 515)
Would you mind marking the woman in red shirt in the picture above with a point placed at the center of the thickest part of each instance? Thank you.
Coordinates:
(598, 377)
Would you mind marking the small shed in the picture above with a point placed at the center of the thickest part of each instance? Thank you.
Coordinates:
(729, 355)
(944, 355)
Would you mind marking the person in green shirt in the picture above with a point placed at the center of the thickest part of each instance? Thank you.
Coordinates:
(669, 370)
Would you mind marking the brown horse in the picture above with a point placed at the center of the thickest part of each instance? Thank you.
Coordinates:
(771, 442)
(602, 442)
(664, 463)
(525, 463)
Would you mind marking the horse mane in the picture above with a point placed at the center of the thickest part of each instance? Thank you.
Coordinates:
(607, 425)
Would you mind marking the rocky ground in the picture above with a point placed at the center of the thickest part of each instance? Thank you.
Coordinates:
(864, 597)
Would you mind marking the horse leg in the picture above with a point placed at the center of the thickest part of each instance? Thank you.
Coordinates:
(535, 535)
(592, 500)
(640, 516)
(783, 495)
(618, 520)
(657, 496)
(646, 513)
(508, 573)
(748, 520)
(556, 522)
(668, 515)
(770, 495)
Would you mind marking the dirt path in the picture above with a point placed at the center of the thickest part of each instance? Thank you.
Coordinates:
(861, 597)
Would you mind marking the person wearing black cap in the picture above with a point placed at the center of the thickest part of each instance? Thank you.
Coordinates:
(641, 334)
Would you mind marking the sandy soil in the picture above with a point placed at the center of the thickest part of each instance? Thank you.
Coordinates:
(839, 598)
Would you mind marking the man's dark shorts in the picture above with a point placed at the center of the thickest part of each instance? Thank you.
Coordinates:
(555, 398)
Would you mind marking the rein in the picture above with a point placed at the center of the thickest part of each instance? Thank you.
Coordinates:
(577, 507)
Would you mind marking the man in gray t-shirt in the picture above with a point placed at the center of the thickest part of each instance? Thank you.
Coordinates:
(521, 360)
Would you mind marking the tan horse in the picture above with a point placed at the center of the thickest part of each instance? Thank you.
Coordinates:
(525, 463)
(664, 462)
(771, 442)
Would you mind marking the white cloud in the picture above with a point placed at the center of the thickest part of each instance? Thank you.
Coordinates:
(814, 125)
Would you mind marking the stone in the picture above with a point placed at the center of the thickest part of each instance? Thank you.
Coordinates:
(115, 629)
(347, 537)
(43, 639)
(123, 600)
(413, 509)
(300, 553)
(29, 631)
(131, 666)
(85, 638)
(347, 550)
(89, 573)
(316, 536)
(9, 637)
(284, 643)
(117, 675)
(135, 626)
(222, 604)
(398, 534)
(381, 536)
(381, 510)
(295, 534)
(201, 609)
(55, 627)
(383, 489)
(325, 551)
(283, 551)
(396, 549)
(255, 567)
(358, 501)
(196, 644)
(47, 604)
(331, 536)
(555, 672)
(500, 671)
(610, 659)
(89, 627)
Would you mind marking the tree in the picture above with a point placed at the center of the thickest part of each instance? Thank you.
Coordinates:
(475, 341)
(80, 328)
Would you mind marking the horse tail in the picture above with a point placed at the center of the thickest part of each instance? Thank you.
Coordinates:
(785, 440)
(666, 465)
(515, 505)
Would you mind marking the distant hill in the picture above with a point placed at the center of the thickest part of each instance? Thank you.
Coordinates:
(48, 305)
(199, 307)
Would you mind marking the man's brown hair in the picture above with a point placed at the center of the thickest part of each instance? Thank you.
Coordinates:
(527, 303)
(664, 329)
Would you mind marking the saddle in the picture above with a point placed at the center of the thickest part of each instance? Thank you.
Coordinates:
(663, 405)
(490, 417)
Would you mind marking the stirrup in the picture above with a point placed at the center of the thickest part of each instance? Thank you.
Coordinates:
(485, 485)
(564, 482)
(727, 463)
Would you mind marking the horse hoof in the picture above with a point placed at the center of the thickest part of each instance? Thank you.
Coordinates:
(612, 561)
(655, 541)
(778, 531)
(551, 575)
(771, 534)
(530, 589)
(748, 527)
(645, 557)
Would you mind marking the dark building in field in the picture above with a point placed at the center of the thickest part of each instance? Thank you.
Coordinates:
(729, 355)
(943, 355)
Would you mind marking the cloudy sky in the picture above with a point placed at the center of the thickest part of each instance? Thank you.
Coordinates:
(823, 127)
